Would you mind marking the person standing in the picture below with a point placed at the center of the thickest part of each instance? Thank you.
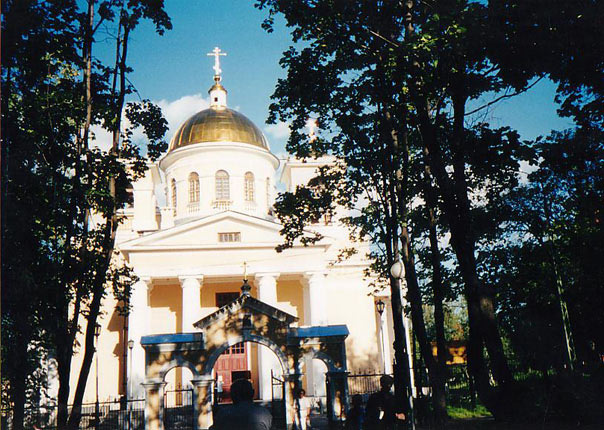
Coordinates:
(219, 388)
(356, 415)
(302, 407)
(243, 414)
(382, 410)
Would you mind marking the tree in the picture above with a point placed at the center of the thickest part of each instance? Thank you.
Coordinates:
(347, 78)
(54, 91)
(375, 75)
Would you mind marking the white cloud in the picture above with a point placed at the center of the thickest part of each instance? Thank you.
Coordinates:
(279, 130)
(175, 112)
(102, 138)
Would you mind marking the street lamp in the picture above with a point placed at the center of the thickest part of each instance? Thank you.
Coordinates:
(97, 333)
(130, 347)
(397, 270)
(379, 306)
(129, 382)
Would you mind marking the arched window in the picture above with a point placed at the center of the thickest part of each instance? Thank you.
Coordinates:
(249, 187)
(223, 191)
(173, 194)
(193, 188)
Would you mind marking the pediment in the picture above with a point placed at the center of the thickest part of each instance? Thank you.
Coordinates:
(248, 307)
(204, 232)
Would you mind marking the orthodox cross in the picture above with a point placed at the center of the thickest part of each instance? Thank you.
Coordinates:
(216, 53)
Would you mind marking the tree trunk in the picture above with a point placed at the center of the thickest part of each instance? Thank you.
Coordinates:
(476, 360)
(419, 326)
(475, 288)
(481, 317)
(18, 382)
(64, 354)
(440, 398)
(402, 378)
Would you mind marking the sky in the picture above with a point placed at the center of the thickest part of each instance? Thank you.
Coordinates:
(174, 71)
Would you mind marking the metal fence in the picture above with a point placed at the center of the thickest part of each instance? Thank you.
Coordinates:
(459, 385)
(120, 415)
(178, 409)
(364, 384)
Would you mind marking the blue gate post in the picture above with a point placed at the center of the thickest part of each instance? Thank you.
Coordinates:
(337, 395)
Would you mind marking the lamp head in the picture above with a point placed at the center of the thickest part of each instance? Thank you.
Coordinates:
(397, 270)
(97, 330)
(380, 305)
(130, 344)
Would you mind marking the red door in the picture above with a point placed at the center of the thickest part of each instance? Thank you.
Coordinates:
(232, 363)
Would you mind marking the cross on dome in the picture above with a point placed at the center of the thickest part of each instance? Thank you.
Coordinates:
(217, 92)
(216, 53)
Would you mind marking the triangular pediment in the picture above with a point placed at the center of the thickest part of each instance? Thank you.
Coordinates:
(250, 306)
(205, 232)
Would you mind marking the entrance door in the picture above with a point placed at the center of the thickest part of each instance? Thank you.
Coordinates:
(232, 363)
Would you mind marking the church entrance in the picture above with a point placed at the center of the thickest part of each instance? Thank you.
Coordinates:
(233, 363)
(230, 366)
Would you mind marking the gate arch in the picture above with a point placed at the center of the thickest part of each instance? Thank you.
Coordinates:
(245, 319)
(177, 361)
(245, 337)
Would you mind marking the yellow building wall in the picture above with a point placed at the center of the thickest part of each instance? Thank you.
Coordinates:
(290, 298)
(165, 316)
(111, 358)
(348, 303)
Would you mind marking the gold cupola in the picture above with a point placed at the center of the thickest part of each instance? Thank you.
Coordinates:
(218, 123)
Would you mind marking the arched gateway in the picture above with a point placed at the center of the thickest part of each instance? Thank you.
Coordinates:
(245, 319)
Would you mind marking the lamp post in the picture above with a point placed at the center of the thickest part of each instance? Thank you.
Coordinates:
(379, 306)
(97, 333)
(129, 382)
(397, 270)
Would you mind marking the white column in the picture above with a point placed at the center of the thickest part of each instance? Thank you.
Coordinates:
(191, 311)
(386, 323)
(267, 293)
(138, 326)
(314, 314)
(191, 301)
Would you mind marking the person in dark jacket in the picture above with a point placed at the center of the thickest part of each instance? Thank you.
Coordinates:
(382, 411)
(356, 415)
(243, 414)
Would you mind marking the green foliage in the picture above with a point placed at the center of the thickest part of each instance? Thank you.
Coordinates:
(555, 226)
(61, 193)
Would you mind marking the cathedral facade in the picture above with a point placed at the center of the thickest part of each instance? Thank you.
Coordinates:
(218, 181)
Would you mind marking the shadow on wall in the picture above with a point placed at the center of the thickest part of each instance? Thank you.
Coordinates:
(361, 361)
(117, 324)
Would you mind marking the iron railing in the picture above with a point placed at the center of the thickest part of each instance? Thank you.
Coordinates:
(109, 415)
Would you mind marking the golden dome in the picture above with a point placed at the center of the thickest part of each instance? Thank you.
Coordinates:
(218, 125)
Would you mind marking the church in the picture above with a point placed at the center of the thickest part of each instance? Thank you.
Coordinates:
(200, 223)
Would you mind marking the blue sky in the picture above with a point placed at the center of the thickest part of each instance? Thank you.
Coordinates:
(175, 71)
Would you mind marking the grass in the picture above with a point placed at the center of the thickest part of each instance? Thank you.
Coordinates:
(465, 413)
